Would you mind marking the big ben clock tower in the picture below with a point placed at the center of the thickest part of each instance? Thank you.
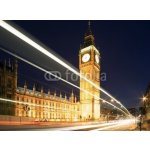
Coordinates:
(89, 66)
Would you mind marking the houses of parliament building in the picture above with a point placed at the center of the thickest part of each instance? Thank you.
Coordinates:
(45, 106)
(32, 103)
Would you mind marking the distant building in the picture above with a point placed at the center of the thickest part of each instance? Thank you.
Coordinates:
(133, 111)
(142, 111)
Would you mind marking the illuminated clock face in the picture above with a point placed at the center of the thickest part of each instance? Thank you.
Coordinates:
(97, 59)
(86, 57)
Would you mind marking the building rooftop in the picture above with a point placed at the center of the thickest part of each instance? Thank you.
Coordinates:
(41, 94)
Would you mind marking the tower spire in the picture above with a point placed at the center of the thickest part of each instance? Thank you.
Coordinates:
(89, 23)
(89, 31)
(89, 38)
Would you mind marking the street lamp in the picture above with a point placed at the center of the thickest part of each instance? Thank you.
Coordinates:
(144, 98)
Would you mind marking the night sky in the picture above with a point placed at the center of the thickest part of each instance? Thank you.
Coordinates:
(124, 48)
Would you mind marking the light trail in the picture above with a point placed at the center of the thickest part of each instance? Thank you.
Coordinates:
(82, 127)
(36, 105)
(26, 39)
(99, 127)
(97, 98)
(119, 124)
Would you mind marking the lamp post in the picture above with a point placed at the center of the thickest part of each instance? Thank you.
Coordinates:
(144, 105)
(144, 100)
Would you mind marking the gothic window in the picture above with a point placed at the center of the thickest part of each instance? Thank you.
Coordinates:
(0, 81)
(9, 83)
(9, 96)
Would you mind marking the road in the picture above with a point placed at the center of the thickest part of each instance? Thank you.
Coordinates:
(120, 125)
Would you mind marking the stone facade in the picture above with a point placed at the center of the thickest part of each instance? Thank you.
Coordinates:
(89, 65)
(31, 103)
(42, 106)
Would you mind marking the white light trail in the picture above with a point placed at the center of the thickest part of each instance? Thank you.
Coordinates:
(96, 97)
(99, 126)
(26, 39)
(119, 124)
(82, 127)
(36, 105)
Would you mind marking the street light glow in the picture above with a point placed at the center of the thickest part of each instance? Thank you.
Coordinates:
(144, 98)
